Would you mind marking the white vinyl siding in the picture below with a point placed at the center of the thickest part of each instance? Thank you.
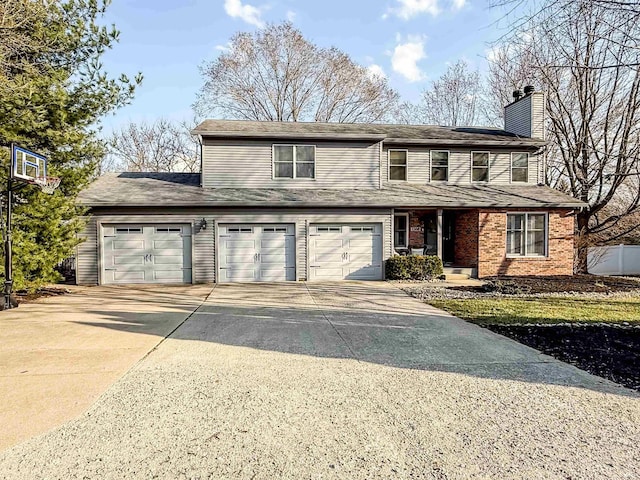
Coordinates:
(248, 164)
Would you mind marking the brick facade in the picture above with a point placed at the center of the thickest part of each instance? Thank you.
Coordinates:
(416, 238)
(492, 241)
(466, 239)
(481, 241)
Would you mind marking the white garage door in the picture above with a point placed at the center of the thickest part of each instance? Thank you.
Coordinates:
(256, 253)
(146, 253)
(345, 252)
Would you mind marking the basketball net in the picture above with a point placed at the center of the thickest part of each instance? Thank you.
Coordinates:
(48, 185)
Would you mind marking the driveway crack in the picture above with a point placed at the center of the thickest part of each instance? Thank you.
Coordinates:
(335, 329)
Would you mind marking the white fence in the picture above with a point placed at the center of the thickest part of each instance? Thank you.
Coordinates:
(614, 260)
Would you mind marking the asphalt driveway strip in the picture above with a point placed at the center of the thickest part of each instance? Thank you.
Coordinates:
(341, 380)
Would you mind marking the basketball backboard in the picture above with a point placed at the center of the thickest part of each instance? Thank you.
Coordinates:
(28, 166)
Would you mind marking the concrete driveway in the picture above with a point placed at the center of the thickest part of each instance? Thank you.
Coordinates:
(59, 354)
(350, 380)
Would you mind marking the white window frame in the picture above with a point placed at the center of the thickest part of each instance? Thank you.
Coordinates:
(488, 166)
(524, 233)
(406, 164)
(511, 169)
(294, 145)
(406, 215)
(448, 152)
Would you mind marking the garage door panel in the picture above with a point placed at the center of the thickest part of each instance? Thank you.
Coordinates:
(175, 244)
(160, 260)
(146, 253)
(128, 276)
(175, 275)
(238, 275)
(256, 252)
(128, 245)
(362, 244)
(120, 260)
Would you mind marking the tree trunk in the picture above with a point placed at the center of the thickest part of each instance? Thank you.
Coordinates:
(582, 241)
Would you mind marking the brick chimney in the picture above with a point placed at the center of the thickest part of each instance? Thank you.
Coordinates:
(525, 115)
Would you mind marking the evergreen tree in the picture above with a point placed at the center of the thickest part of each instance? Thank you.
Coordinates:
(53, 92)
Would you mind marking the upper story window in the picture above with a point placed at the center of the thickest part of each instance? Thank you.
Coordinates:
(519, 167)
(398, 165)
(479, 166)
(294, 161)
(439, 166)
(527, 234)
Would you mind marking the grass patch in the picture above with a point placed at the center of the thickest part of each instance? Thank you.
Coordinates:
(504, 311)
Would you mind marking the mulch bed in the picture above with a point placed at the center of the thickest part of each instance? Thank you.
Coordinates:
(569, 284)
(609, 351)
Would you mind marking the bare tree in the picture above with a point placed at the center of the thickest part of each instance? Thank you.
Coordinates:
(161, 146)
(454, 99)
(277, 74)
(582, 58)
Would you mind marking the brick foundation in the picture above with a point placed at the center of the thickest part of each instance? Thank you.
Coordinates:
(492, 241)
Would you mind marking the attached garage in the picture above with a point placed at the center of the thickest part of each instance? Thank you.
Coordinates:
(256, 252)
(146, 253)
(345, 251)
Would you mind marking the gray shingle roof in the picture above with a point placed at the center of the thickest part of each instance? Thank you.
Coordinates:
(431, 134)
(183, 190)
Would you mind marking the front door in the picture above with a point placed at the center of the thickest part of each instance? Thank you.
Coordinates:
(448, 235)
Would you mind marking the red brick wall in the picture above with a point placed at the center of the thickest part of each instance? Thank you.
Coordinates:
(415, 221)
(492, 240)
(466, 239)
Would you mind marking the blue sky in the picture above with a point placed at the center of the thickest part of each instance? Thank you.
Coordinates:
(409, 41)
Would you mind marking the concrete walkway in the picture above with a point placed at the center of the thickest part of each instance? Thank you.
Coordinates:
(58, 355)
(349, 380)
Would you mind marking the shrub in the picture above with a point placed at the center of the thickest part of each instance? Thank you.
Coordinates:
(413, 267)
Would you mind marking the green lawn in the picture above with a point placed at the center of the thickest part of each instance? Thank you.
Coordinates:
(542, 310)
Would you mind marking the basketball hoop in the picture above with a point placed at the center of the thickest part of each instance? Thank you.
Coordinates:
(47, 184)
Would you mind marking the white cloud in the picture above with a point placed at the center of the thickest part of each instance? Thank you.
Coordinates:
(248, 13)
(291, 15)
(405, 58)
(224, 48)
(376, 71)
(411, 8)
(458, 4)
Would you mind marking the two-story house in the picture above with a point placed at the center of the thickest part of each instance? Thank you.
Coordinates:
(316, 201)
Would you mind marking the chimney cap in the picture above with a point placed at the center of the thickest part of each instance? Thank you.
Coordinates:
(529, 89)
(517, 94)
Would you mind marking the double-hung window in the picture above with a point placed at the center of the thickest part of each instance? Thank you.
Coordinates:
(401, 230)
(294, 161)
(480, 166)
(527, 234)
(520, 167)
(439, 166)
(398, 165)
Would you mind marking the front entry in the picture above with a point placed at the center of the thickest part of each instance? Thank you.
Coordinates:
(448, 235)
